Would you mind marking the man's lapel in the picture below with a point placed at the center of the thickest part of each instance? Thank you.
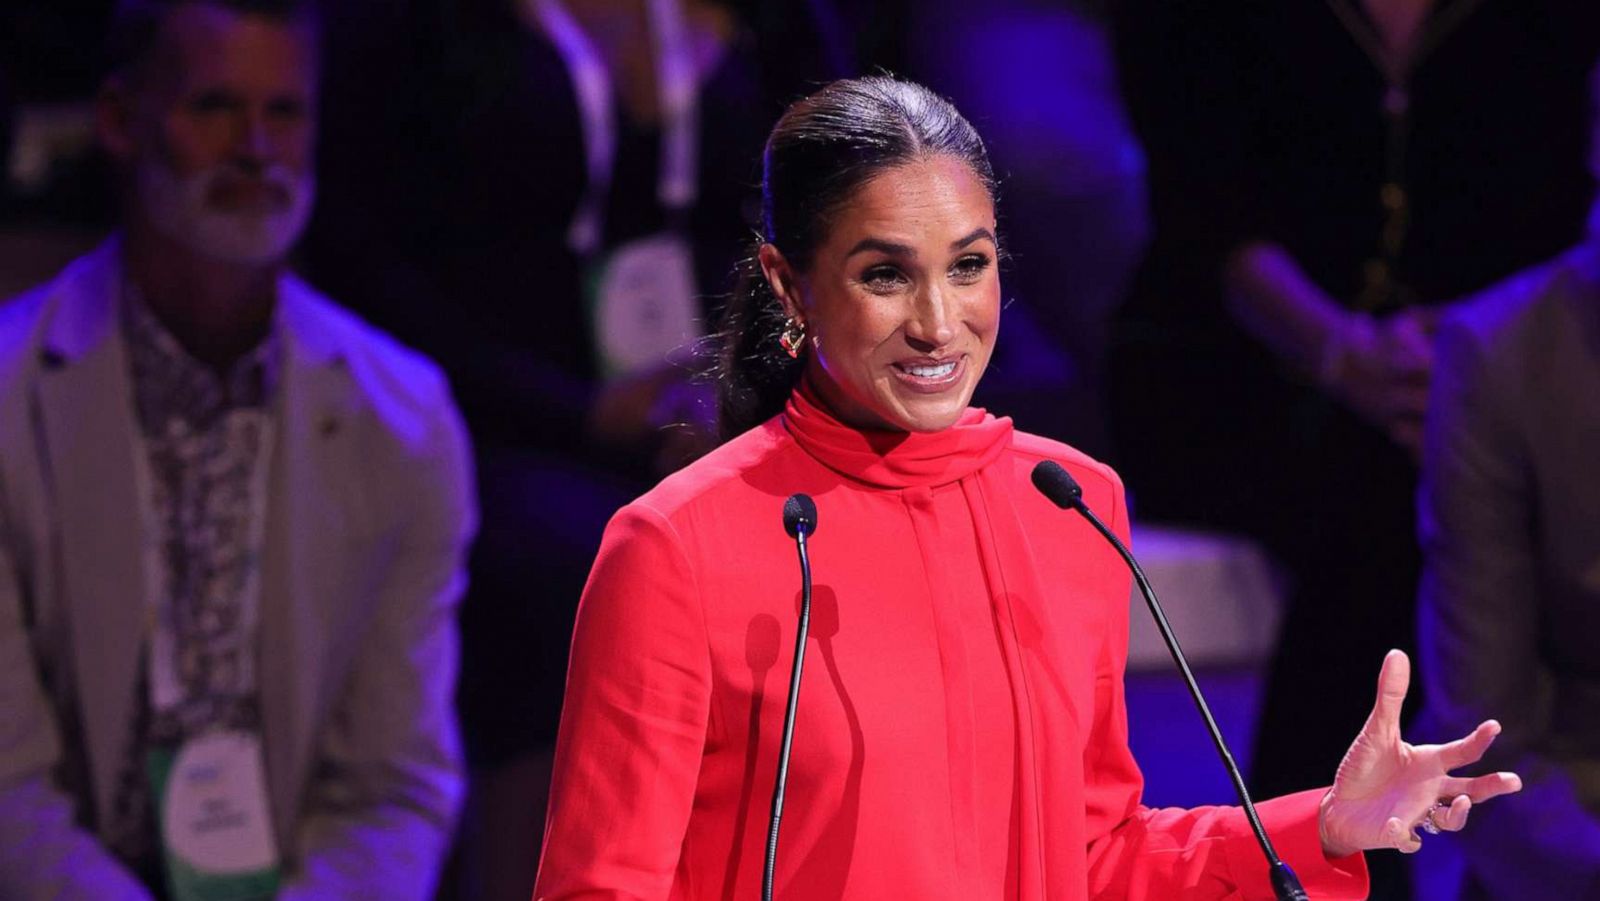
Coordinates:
(307, 582)
(87, 416)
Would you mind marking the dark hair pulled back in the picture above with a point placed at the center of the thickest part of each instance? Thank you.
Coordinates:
(823, 149)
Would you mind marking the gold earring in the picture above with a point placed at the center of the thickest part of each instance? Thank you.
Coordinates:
(793, 337)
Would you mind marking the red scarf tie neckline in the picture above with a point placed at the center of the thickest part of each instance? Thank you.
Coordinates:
(888, 459)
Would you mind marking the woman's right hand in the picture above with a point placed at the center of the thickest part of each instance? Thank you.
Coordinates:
(1387, 788)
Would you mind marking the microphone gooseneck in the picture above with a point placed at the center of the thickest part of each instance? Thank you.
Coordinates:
(1055, 483)
(800, 521)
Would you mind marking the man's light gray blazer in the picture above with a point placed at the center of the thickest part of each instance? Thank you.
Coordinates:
(1510, 603)
(369, 512)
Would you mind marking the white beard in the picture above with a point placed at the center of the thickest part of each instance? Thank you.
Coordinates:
(177, 206)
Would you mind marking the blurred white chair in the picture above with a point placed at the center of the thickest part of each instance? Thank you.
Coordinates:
(1221, 593)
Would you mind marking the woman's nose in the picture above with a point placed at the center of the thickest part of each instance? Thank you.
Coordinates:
(931, 321)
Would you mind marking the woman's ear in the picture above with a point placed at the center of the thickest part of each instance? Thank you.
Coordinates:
(781, 278)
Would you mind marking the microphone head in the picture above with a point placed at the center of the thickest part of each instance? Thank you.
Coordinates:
(799, 512)
(1055, 483)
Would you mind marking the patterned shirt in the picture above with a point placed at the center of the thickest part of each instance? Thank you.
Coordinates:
(204, 436)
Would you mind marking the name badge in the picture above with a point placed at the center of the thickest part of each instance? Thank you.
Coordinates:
(216, 827)
(644, 303)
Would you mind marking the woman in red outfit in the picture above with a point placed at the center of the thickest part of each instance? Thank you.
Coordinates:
(961, 730)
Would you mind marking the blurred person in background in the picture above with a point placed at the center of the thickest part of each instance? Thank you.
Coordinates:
(547, 197)
(1509, 519)
(54, 206)
(1042, 78)
(1326, 177)
(52, 177)
(228, 642)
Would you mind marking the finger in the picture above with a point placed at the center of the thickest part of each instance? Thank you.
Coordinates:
(1454, 818)
(1412, 401)
(1403, 366)
(1408, 435)
(1410, 351)
(1470, 749)
(1405, 342)
(1427, 318)
(1418, 341)
(1400, 837)
(1406, 400)
(1482, 788)
(1413, 374)
(1394, 679)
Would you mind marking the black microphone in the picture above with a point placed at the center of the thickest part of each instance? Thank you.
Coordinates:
(1063, 490)
(799, 515)
(800, 521)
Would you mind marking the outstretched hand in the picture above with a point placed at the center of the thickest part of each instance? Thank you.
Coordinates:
(1386, 788)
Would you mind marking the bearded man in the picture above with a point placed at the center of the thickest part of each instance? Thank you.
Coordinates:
(232, 518)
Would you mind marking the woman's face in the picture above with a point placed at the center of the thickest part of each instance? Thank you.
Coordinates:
(901, 302)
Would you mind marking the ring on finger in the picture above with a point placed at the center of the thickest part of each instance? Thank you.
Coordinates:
(1429, 824)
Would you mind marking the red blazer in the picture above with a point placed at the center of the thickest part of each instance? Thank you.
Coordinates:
(682, 652)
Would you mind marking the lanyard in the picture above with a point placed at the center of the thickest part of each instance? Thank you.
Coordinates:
(676, 185)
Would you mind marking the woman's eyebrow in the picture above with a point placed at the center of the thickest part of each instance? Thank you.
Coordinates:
(882, 246)
(976, 234)
(905, 250)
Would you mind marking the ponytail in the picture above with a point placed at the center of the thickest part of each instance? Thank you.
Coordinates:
(754, 374)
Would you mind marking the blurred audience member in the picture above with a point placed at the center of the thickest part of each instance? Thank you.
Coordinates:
(1510, 601)
(1040, 77)
(54, 203)
(227, 640)
(543, 194)
(1345, 167)
(804, 44)
(1350, 167)
(48, 78)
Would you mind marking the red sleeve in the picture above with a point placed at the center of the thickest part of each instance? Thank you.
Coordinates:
(1136, 852)
(633, 727)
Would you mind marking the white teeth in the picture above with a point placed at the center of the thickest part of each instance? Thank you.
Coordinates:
(932, 372)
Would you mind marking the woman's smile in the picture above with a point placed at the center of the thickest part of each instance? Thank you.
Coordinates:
(930, 376)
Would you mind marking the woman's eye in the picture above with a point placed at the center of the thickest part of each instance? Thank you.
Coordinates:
(883, 278)
(969, 269)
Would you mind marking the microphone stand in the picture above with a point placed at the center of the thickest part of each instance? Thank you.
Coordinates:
(788, 716)
(1065, 492)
